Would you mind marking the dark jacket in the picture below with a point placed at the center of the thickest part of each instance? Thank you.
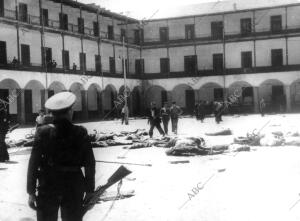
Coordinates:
(165, 113)
(4, 121)
(156, 115)
(59, 152)
(175, 111)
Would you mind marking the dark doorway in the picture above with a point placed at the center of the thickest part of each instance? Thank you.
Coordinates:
(218, 94)
(189, 101)
(137, 103)
(164, 97)
(278, 98)
(4, 94)
(28, 106)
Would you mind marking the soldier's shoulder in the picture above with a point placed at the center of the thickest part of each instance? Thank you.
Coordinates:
(80, 131)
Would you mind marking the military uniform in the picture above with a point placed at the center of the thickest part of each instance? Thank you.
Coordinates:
(59, 153)
(4, 127)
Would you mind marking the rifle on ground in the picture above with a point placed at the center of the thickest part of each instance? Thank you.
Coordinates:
(118, 175)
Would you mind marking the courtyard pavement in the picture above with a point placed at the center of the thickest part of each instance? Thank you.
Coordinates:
(261, 185)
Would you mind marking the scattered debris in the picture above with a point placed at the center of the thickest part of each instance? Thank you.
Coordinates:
(179, 161)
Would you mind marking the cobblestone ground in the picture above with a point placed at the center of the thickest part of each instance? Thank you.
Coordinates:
(263, 184)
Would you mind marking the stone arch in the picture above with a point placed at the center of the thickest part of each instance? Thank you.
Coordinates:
(55, 87)
(295, 95)
(94, 101)
(10, 93)
(78, 107)
(241, 94)
(184, 96)
(137, 103)
(156, 94)
(34, 96)
(273, 92)
(210, 92)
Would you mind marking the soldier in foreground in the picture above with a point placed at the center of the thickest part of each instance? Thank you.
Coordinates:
(59, 152)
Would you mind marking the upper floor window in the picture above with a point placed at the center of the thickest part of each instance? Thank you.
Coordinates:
(82, 59)
(63, 21)
(98, 63)
(112, 65)
(3, 55)
(217, 30)
(164, 65)
(218, 62)
(138, 36)
(66, 59)
(276, 23)
(25, 54)
(96, 28)
(246, 59)
(163, 34)
(246, 26)
(123, 34)
(139, 66)
(47, 57)
(189, 32)
(110, 32)
(81, 25)
(126, 66)
(23, 12)
(1, 8)
(44, 17)
(190, 64)
(276, 57)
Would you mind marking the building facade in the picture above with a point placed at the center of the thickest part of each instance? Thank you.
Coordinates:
(47, 46)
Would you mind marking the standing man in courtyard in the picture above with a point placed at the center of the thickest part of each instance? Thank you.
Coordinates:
(175, 112)
(262, 106)
(4, 128)
(60, 151)
(154, 120)
(165, 114)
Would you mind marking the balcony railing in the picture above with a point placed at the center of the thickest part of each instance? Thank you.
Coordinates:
(36, 67)
(55, 24)
(229, 71)
(228, 36)
(9, 14)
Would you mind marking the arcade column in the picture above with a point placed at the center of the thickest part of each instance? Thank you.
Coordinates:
(256, 99)
(84, 100)
(288, 98)
(99, 104)
(21, 106)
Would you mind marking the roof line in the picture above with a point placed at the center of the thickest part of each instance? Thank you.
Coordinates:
(226, 12)
(95, 9)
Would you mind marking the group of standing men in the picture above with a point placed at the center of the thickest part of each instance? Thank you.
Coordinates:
(164, 114)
